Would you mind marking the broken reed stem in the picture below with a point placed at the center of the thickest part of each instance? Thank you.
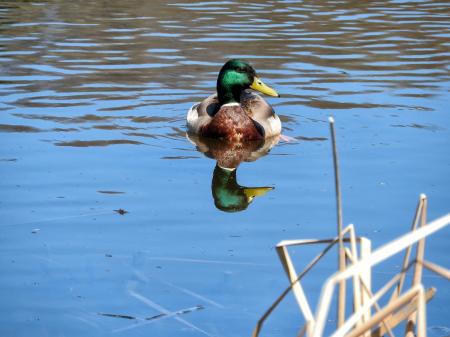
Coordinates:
(365, 288)
(341, 294)
(419, 210)
(441, 271)
(288, 289)
(417, 276)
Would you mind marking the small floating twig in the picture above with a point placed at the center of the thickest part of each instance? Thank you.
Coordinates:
(121, 211)
(116, 315)
(170, 314)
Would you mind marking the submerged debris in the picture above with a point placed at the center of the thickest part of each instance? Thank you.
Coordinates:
(111, 192)
(121, 211)
(116, 315)
(175, 313)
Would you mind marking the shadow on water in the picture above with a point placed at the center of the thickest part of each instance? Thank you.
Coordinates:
(228, 194)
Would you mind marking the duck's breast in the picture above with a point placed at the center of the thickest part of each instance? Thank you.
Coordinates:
(231, 123)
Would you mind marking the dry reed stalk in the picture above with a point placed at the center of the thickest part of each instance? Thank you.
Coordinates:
(287, 243)
(401, 315)
(409, 306)
(404, 299)
(357, 294)
(441, 271)
(376, 257)
(417, 277)
(419, 210)
(341, 261)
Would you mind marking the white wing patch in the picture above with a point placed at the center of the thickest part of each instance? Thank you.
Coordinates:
(273, 126)
(192, 119)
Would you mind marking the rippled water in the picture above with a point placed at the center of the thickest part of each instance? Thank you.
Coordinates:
(92, 119)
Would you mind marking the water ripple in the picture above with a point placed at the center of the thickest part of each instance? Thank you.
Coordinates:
(321, 55)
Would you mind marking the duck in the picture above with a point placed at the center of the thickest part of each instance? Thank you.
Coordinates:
(235, 112)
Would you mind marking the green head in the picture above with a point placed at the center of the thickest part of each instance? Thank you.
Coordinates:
(236, 76)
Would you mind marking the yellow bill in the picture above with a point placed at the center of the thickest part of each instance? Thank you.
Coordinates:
(252, 192)
(259, 85)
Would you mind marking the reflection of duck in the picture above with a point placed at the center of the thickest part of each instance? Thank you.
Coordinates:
(228, 195)
(235, 113)
(231, 154)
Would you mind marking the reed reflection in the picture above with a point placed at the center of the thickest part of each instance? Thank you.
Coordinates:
(228, 194)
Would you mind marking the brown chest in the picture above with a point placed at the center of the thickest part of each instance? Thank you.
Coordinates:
(233, 124)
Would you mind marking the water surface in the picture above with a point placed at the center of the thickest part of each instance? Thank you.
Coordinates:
(107, 208)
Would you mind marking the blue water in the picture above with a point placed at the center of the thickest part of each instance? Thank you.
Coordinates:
(92, 121)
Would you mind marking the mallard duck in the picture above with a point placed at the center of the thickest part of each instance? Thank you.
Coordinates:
(235, 113)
